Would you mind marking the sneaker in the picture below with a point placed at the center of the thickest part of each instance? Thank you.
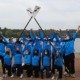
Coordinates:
(65, 73)
(53, 78)
(12, 76)
(21, 76)
(4, 75)
(73, 75)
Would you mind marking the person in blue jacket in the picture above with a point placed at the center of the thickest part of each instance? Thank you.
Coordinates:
(36, 63)
(17, 63)
(7, 62)
(11, 45)
(46, 62)
(27, 63)
(69, 58)
(58, 64)
(3, 44)
(18, 44)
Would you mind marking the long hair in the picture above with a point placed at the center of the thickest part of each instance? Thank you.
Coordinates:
(36, 52)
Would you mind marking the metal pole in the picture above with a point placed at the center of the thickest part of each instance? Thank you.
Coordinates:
(39, 26)
(46, 37)
(25, 26)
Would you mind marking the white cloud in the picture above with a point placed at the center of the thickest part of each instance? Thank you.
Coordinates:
(53, 14)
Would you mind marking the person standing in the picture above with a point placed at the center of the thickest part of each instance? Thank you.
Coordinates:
(3, 43)
(69, 58)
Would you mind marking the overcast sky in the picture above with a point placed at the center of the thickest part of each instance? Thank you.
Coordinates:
(54, 14)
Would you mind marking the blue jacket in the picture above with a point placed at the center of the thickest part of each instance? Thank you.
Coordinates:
(46, 61)
(3, 43)
(69, 45)
(2, 48)
(35, 60)
(60, 46)
(58, 60)
(7, 60)
(27, 59)
(28, 47)
(48, 47)
(18, 58)
(41, 35)
(12, 47)
(18, 44)
(39, 48)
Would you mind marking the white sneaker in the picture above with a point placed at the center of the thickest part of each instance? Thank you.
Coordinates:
(65, 73)
(53, 78)
(73, 75)
(12, 76)
(21, 76)
(31, 77)
(4, 75)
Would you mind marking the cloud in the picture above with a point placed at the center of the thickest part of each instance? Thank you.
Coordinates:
(53, 14)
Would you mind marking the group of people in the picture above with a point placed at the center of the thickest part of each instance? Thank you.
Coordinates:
(34, 54)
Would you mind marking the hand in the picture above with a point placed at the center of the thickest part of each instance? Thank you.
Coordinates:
(78, 29)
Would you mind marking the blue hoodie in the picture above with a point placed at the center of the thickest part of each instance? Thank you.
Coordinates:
(58, 60)
(36, 59)
(7, 60)
(18, 58)
(2, 49)
(18, 45)
(3, 43)
(12, 47)
(41, 35)
(69, 45)
(39, 48)
(46, 60)
(28, 47)
(27, 59)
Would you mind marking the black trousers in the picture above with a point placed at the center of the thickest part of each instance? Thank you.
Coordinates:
(48, 73)
(69, 61)
(8, 68)
(2, 62)
(18, 68)
(36, 70)
(59, 69)
(28, 69)
(53, 67)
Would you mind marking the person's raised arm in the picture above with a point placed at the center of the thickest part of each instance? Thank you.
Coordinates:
(4, 38)
(76, 33)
